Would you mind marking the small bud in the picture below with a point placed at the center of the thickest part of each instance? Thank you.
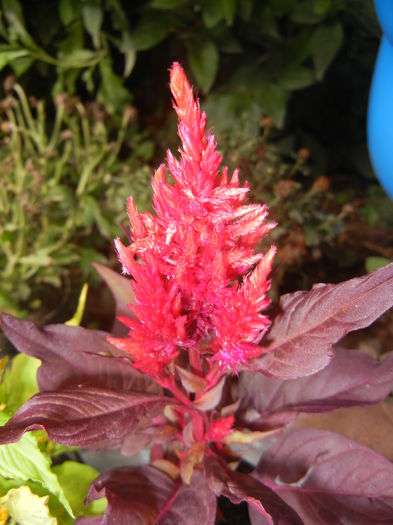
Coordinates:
(96, 111)
(266, 122)
(321, 184)
(6, 127)
(304, 153)
(131, 113)
(61, 99)
(7, 104)
(9, 83)
(33, 101)
(66, 134)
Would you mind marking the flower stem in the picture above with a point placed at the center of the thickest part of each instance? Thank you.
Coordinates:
(169, 383)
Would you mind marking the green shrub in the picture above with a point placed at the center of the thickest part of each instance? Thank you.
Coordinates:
(281, 45)
(62, 191)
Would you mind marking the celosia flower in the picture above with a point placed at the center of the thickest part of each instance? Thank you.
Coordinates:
(190, 261)
(220, 428)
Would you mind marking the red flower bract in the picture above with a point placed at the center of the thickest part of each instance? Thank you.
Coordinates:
(190, 261)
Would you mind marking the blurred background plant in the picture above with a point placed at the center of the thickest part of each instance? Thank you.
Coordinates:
(63, 192)
(267, 48)
(86, 119)
(40, 481)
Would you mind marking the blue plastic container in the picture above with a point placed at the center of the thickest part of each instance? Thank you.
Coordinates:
(380, 108)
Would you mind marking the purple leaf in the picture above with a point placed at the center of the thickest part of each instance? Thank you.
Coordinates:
(147, 496)
(88, 417)
(122, 292)
(89, 520)
(351, 378)
(309, 323)
(72, 355)
(329, 479)
(238, 487)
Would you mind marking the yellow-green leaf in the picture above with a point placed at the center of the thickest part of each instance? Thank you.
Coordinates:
(25, 508)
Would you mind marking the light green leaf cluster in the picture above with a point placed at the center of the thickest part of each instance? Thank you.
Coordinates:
(18, 383)
(26, 470)
(25, 508)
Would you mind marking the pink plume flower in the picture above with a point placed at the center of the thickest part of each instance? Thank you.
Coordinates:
(191, 262)
(220, 428)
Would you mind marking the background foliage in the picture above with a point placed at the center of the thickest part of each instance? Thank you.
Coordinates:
(85, 119)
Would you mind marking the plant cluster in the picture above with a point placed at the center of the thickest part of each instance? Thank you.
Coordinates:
(309, 215)
(36, 485)
(284, 45)
(59, 187)
(200, 369)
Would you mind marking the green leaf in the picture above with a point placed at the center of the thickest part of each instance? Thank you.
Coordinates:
(21, 64)
(24, 461)
(55, 507)
(65, 256)
(8, 303)
(93, 213)
(282, 7)
(17, 27)
(296, 77)
(118, 15)
(325, 43)
(203, 58)
(151, 30)
(13, 7)
(321, 7)
(73, 40)
(75, 479)
(19, 382)
(273, 99)
(304, 13)
(167, 4)
(9, 55)
(25, 508)
(245, 9)
(78, 58)
(76, 319)
(375, 262)
(225, 40)
(253, 85)
(213, 11)
(38, 259)
(93, 16)
(69, 10)
(129, 51)
(87, 257)
(267, 22)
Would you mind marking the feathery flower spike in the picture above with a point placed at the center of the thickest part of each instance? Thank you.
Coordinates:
(191, 261)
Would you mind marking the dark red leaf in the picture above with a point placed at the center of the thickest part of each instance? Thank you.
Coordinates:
(371, 426)
(72, 355)
(329, 479)
(351, 378)
(88, 417)
(147, 496)
(122, 292)
(89, 520)
(309, 323)
(238, 487)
